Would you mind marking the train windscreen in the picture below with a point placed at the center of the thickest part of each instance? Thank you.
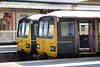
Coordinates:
(23, 28)
(46, 28)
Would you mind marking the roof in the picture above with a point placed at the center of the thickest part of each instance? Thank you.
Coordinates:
(90, 1)
(72, 2)
(35, 17)
(79, 14)
(22, 5)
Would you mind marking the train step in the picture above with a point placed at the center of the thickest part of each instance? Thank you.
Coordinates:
(86, 53)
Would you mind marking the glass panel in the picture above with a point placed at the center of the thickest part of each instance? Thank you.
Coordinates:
(26, 29)
(35, 29)
(23, 28)
(20, 29)
(45, 28)
(51, 29)
(99, 29)
(83, 28)
(41, 28)
(67, 28)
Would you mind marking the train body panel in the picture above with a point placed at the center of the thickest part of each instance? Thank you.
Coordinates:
(23, 41)
(48, 44)
(27, 43)
(65, 41)
(73, 34)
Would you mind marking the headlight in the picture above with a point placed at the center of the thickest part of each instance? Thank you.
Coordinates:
(38, 46)
(27, 45)
(52, 48)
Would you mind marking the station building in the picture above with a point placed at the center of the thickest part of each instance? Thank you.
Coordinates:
(11, 11)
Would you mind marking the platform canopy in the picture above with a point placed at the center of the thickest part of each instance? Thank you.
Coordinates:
(28, 5)
(51, 4)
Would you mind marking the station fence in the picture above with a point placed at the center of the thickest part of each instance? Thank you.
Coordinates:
(8, 36)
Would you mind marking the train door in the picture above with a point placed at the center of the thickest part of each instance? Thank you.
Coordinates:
(86, 34)
(66, 38)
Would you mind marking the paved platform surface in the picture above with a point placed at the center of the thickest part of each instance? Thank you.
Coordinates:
(66, 62)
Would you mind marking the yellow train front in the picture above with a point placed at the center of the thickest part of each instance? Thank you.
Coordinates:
(64, 33)
(26, 37)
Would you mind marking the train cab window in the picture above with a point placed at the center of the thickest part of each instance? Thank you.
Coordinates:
(20, 29)
(26, 29)
(23, 30)
(46, 28)
(41, 28)
(23, 27)
(67, 28)
(51, 29)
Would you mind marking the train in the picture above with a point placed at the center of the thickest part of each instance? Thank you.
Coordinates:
(26, 36)
(62, 33)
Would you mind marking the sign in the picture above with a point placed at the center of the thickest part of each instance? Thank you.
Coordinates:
(1, 15)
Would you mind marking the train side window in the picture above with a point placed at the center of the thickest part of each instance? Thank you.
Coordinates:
(26, 29)
(35, 29)
(67, 28)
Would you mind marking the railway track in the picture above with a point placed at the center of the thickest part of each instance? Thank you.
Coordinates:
(8, 53)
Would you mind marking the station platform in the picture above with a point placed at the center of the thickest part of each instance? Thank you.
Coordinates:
(66, 62)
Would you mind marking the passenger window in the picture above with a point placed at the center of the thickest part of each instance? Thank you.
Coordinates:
(67, 28)
(26, 29)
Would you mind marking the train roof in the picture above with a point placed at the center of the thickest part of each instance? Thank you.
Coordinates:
(78, 14)
(35, 17)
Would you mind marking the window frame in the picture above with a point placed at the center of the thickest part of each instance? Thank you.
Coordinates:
(98, 30)
(73, 27)
(20, 22)
(44, 19)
